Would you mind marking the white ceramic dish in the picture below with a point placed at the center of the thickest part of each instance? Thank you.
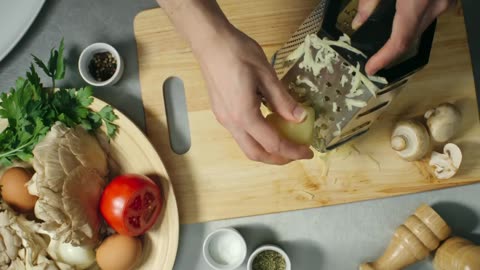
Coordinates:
(288, 265)
(224, 249)
(87, 55)
(15, 19)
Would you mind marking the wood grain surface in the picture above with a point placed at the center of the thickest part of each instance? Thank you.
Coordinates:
(131, 152)
(215, 181)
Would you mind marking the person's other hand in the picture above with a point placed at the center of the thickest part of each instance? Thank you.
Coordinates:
(237, 74)
(411, 19)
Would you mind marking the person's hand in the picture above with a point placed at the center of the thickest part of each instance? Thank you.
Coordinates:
(411, 19)
(237, 74)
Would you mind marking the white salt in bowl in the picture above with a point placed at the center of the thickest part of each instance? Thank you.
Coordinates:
(224, 249)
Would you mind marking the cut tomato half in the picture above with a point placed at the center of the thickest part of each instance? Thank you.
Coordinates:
(131, 204)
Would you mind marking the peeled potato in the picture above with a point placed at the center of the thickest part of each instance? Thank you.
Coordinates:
(300, 133)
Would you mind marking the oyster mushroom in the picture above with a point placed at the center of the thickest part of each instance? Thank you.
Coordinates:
(410, 140)
(446, 164)
(10, 241)
(22, 243)
(70, 165)
(443, 122)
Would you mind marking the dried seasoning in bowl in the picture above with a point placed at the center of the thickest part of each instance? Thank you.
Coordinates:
(269, 260)
(102, 66)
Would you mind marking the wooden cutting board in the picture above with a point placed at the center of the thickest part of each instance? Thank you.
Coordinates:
(215, 181)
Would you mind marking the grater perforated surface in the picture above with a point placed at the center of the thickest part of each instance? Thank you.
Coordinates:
(336, 121)
(311, 25)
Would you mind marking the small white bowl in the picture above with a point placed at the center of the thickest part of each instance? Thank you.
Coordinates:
(224, 249)
(288, 265)
(87, 55)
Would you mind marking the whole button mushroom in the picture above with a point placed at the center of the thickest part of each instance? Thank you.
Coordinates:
(410, 140)
(443, 122)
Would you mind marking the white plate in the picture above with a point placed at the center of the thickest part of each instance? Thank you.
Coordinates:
(16, 16)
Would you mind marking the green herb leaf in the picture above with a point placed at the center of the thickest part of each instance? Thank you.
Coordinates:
(82, 112)
(52, 62)
(5, 162)
(60, 65)
(107, 113)
(108, 116)
(33, 77)
(86, 125)
(95, 120)
(32, 110)
(84, 96)
(20, 83)
(111, 129)
(24, 156)
(41, 65)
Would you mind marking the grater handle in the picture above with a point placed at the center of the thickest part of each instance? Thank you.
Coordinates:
(376, 31)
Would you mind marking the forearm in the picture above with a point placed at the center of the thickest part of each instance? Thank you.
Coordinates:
(198, 21)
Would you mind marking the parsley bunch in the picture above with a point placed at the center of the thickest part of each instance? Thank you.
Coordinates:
(31, 110)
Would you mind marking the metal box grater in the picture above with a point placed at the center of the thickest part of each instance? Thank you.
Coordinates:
(339, 122)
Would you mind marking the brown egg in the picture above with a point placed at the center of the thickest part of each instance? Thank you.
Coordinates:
(14, 189)
(119, 252)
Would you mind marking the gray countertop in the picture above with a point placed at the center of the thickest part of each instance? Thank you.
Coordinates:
(329, 238)
(339, 237)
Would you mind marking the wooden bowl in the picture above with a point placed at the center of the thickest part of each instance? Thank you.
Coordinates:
(132, 152)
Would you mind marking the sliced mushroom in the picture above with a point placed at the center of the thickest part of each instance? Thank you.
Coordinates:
(410, 140)
(443, 122)
(446, 164)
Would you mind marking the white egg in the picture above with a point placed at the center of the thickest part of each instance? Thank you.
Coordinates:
(81, 257)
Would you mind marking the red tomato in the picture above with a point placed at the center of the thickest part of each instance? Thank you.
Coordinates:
(131, 204)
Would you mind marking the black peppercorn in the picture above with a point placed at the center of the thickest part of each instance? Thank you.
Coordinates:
(102, 66)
